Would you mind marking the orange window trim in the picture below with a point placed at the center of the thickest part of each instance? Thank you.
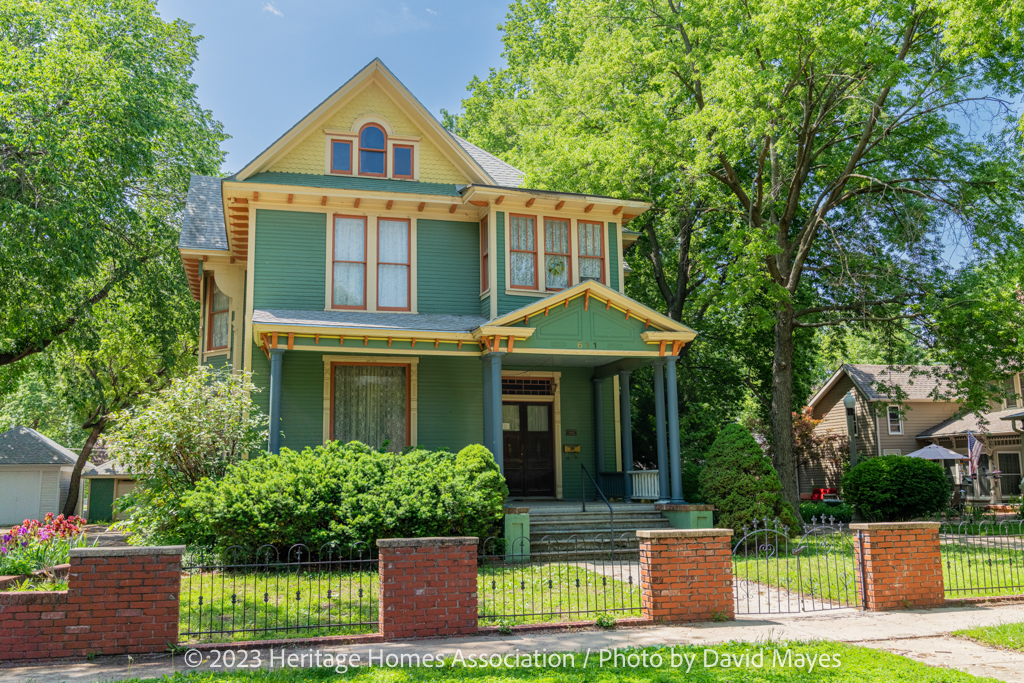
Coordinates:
(407, 264)
(369, 149)
(333, 261)
(408, 393)
(604, 248)
(536, 280)
(567, 255)
(412, 161)
(350, 145)
(484, 255)
(211, 314)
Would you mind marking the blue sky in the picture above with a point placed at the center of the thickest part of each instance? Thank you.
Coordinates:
(263, 64)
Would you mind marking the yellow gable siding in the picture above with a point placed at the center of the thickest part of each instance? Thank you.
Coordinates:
(308, 155)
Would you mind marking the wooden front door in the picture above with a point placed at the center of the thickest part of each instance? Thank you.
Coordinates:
(529, 443)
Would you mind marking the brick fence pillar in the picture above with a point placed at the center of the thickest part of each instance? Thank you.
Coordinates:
(686, 574)
(899, 564)
(427, 587)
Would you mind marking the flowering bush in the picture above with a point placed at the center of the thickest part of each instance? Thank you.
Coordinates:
(38, 545)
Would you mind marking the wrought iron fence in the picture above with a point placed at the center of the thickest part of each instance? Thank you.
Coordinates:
(552, 580)
(243, 595)
(774, 573)
(982, 558)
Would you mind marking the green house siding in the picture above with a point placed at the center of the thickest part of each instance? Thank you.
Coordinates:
(290, 271)
(613, 256)
(573, 327)
(485, 306)
(302, 396)
(577, 404)
(450, 402)
(448, 267)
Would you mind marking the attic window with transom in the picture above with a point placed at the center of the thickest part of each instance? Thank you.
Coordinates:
(373, 150)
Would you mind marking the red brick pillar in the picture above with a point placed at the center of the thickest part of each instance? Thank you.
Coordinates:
(427, 587)
(899, 565)
(686, 574)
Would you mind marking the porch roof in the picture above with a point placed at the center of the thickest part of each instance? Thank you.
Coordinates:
(364, 320)
(972, 423)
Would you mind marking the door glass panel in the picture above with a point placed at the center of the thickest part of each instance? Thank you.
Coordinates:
(510, 418)
(537, 418)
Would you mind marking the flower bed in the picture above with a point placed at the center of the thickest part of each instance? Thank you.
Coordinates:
(37, 547)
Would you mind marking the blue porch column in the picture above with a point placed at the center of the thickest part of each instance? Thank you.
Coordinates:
(598, 427)
(493, 433)
(276, 356)
(659, 418)
(625, 418)
(673, 431)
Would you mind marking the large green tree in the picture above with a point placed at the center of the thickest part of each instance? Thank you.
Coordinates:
(830, 151)
(99, 131)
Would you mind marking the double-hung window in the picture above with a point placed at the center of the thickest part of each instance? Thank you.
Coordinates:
(484, 255)
(590, 245)
(557, 263)
(349, 276)
(373, 145)
(895, 420)
(523, 249)
(393, 264)
(219, 324)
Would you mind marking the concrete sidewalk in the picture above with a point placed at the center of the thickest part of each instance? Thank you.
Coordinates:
(920, 634)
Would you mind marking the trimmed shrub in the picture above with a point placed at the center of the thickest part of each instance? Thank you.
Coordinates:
(895, 488)
(823, 511)
(348, 493)
(740, 481)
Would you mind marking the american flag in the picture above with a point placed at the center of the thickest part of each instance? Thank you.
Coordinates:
(974, 448)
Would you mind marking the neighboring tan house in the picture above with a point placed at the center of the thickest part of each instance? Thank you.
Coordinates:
(924, 417)
(389, 282)
(107, 483)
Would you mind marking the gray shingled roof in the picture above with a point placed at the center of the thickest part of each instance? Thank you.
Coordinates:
(26, 446)
(503, 173)
(424, 322)
(971, 423)
(918, 381)
(202, 227)
(353, 183)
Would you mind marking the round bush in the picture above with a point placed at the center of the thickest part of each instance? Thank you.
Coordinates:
(740, 481)
(895, 488)
(347, 493)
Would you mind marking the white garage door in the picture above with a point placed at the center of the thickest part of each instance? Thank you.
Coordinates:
(19, 496)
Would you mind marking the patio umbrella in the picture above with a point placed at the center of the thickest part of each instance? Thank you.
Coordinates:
(936, 452)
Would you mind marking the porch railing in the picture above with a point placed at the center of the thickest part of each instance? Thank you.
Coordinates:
(645, 484)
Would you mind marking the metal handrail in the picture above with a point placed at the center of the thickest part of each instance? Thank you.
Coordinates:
(611, 511)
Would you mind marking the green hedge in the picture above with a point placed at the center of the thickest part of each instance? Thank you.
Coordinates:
(347, 493)
(895, 488)
(823, 511)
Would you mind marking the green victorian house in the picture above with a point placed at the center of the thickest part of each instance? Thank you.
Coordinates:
(388, 282)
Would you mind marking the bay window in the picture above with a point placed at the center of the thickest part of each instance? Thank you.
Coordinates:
(393, 264)
(349, 274)
(484, 255)
(557, 269)
(523, 250)
(219, 320)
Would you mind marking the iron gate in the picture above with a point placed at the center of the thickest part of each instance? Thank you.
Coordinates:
(774, 573)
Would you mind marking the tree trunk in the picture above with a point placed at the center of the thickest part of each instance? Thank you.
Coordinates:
(782, 406)
(76, 474)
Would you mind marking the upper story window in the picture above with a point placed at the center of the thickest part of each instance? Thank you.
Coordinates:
(895, 420)
(219, 324)
(393, 264)
(523, 249)
(485, 255)
(341, 156)
(349, 274)
(401, 165)
(557, 263)
(1010, 393)
(591, 250)
(373, 145)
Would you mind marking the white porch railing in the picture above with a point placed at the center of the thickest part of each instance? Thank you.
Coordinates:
(645, 484)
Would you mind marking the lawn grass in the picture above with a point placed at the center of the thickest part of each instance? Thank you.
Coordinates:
(856, 665)
(1009, 636)
(549, 592)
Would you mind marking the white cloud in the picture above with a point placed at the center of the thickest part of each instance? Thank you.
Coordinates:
(430, 11)
(273, 10)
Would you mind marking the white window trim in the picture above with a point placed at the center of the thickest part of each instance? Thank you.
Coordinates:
(888, 419)
(411, 361)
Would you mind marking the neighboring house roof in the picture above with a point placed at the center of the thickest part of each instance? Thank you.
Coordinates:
(26, 446)
(918, 382)
(363, 320)
(202, 226)
(503, 173)
(108, 469)
(363, 183)
(972, 423)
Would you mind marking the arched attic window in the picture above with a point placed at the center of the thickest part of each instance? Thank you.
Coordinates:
(373, 145)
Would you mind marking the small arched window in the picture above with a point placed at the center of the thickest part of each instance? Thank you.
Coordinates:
(372, 150)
